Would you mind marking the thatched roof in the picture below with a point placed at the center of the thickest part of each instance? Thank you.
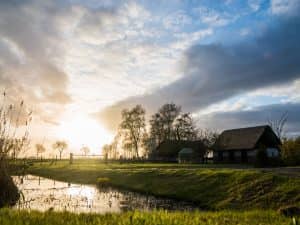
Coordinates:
(246, 138)
(171, 148)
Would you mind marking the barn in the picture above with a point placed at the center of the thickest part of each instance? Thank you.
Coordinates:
(241, 145)
(174, 150)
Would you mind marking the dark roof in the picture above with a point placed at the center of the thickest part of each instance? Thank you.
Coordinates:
(246, 138)
(171, 148)
(186, 151)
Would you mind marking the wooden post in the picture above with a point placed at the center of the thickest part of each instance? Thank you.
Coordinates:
(105, 158)
(71, 158)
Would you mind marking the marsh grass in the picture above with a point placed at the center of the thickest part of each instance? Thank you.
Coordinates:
(103, 182)
(14, 217)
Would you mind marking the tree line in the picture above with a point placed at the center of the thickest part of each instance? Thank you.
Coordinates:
(136, 138)
(59, 146)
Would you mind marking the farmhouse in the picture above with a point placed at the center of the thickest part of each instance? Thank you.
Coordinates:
(182, 151)
(241, 145)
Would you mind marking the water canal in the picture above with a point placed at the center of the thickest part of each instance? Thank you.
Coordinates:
(45, 194)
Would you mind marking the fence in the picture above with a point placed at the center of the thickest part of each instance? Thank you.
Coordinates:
(85, 158)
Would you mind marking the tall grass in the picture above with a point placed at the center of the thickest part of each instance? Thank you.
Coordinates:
(13, 217)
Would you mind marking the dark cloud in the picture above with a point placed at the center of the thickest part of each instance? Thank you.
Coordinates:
(214, 72)
(256, 116)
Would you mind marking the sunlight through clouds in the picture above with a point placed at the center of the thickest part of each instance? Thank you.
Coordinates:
(77, 63)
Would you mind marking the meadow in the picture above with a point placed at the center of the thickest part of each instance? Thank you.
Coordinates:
(209, 186)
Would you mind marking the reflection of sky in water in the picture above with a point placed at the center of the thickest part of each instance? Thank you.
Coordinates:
(87, 193)
(44, 194)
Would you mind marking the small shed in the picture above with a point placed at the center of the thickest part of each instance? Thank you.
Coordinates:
(186, 155)
(168, 150)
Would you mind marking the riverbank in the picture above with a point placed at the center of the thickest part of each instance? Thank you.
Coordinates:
(14, 217)
(210, 188)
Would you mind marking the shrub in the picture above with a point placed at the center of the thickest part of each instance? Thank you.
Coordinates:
(12, 142)
(291, 152)
(103, 182)
(9, 193)
(289, 211)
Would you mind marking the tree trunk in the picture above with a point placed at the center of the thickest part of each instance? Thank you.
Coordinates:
(9, 193)
(60, 155)
(137, 150)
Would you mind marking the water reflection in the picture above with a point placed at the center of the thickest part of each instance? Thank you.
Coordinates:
(46, 194)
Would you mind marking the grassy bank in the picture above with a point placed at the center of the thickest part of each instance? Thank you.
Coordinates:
(13, 217)
(211, 188)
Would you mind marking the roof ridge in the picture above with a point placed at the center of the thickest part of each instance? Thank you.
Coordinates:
(242, 138)
(242, 128)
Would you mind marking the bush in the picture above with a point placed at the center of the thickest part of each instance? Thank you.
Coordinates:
(9, 194)
(103, 182)
(289, 211)
(291, 152)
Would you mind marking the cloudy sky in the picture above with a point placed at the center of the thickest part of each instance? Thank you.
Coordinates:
(77, 63)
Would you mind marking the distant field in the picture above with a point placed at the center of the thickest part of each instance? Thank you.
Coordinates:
(210, 186)
(13, 217)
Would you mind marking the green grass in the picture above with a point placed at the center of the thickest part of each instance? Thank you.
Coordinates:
(211, 188)
(14, 217)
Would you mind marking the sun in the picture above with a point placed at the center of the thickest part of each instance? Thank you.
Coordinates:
(80, 130)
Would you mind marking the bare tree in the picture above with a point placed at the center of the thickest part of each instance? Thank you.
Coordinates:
(85, 150)
(106, 151)
(114, 145)
(278, 125)
(156, 129)
(60, 146)
(148, 143)
(208, 137)
(162, 123)
(111, 150)
(40, 149)
(133, 126)
(185, 128)
(168, 113)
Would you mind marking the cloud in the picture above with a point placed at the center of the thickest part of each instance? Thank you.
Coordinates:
(255, 4)
(176, 20)
(245, 31)
(216, 72)
(256, 116)
(285, 7)
(213, 17)
(186, 40)
(31, 54)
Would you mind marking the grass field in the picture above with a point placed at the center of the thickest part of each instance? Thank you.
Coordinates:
(209, 187)
(13, 217)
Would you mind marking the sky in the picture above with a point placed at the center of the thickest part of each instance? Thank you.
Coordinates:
(77, 64)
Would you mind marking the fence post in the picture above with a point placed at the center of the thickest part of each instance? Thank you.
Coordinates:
(71, 158)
